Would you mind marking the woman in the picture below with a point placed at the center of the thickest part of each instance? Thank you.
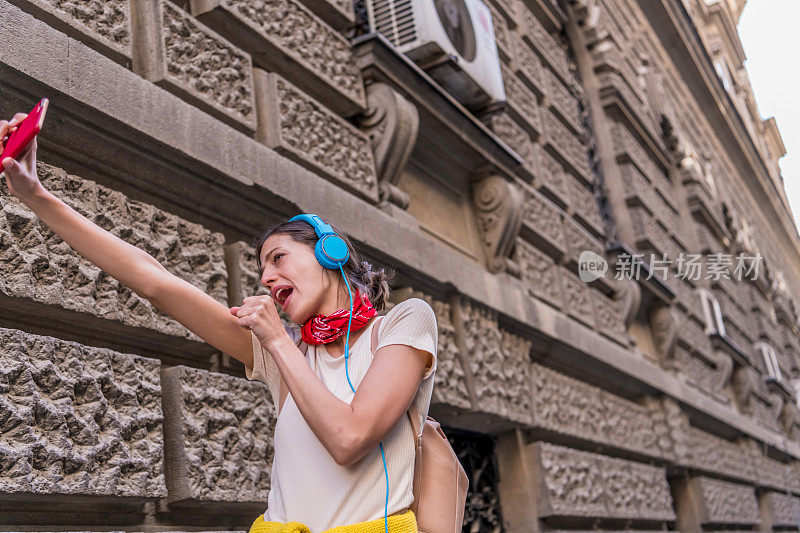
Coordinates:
(328, 469)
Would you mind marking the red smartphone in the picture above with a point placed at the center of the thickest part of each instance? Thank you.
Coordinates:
(26, 131)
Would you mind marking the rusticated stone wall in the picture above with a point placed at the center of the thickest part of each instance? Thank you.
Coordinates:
(187, 127)
(79, 420)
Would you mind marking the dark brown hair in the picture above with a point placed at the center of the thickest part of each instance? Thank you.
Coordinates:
(360, 273)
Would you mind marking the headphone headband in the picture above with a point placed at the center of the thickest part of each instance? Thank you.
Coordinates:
(320, 227)
(331, 250)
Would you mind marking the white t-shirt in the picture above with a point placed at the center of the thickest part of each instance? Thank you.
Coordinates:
(307, 484)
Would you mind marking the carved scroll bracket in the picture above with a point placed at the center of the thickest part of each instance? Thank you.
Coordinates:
(498, 205)
(663, 321)
(391, 122)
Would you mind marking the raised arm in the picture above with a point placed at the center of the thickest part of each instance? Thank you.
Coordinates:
(131, 266)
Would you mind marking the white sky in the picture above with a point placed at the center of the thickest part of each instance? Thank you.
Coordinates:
(770, 34)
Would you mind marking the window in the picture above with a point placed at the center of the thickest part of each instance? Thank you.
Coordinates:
(712, 313)
(724, 74)
(770, 360)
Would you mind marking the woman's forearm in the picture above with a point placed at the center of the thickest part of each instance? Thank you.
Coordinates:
(330, 418)
(128, 264)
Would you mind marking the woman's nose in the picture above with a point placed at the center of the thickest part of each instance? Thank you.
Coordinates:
(268, 278)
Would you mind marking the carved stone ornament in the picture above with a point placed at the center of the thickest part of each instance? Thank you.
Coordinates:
(629, 292)
(754, 398)
(498, 205)
(740, 229)
(391, 122)
(664, 326)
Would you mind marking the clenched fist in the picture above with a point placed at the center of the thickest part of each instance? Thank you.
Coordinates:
(259, 315)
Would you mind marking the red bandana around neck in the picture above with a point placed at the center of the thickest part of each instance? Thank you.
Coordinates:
(322, 329)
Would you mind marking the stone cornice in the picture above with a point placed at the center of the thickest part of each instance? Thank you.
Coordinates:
(726, 24)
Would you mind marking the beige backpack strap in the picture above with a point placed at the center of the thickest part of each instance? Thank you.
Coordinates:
(297, 337)
(414, 423)
(417, 430)
(374, 340)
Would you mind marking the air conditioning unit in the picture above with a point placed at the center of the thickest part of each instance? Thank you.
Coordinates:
(452, 40)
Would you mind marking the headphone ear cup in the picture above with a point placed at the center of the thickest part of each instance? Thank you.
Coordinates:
(331, 251)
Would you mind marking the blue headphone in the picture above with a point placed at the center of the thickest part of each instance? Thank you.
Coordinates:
(331, 252)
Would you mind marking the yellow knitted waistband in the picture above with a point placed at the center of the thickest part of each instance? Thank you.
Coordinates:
(398, 523)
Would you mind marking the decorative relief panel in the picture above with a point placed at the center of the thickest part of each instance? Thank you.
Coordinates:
(629, 149)
(638, 191)
(577, 298)
(576, 483)
(710, 453)
(584, 206)
(552, 181)
(698, 371)
(284, 36)
(177, 52)
(563, 102)
(504, 37)
(578, 239)
(299, 127)
(451, 386)
(37, 265)
(339, 14)
(217, 436)
(540, 272)
(610, 319)
(510, 10)
(693, 335)
(769, 472)
(545, 44)
(651, 236)
(499, 363)
(78, 420)
(698, 449)
(784, 509)
(518, 140)
(618, 90)
(543, 219)
(727, 503)
(105, 25)
(522, 105)
(755, 399)
(565, 405)
(529, 67)
(562, 143)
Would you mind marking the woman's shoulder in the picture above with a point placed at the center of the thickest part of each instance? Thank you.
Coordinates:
(412, 303)
(413, 314)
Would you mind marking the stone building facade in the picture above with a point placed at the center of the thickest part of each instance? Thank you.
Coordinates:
(187, 127)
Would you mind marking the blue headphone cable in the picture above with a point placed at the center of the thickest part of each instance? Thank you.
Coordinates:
(346, 356)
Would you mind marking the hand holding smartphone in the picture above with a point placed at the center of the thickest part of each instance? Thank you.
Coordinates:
(26, 131)
(18, 157)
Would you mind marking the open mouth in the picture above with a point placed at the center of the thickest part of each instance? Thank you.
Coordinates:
(282, 295)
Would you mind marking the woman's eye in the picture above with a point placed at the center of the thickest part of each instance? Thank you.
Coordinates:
(276, 256)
